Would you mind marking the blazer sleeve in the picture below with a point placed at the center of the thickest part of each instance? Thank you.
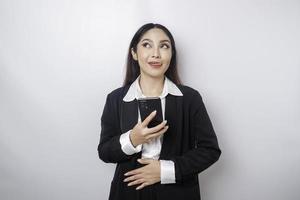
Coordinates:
(205, 150)
(109, 148)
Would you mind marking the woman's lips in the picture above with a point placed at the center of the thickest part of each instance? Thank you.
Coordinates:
(155, 64)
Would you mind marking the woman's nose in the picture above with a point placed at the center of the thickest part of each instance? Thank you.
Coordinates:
(156, 53)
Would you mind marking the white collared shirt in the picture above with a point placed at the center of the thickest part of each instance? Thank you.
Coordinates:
(151, 149)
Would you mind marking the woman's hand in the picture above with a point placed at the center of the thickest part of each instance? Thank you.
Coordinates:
(141, 134)
(146, 175)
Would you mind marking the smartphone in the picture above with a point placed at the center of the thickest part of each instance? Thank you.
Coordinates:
(148, 105)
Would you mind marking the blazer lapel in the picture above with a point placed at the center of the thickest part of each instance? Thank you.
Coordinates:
(129, 115)
(173, 114)
(129, 118)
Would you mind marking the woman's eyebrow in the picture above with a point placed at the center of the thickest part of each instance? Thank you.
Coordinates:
(165, 41)
(152, 41)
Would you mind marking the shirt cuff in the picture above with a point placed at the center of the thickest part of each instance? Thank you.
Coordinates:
(127, 146)
(167, 172)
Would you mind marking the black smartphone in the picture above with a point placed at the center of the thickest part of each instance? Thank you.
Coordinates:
(148, 105)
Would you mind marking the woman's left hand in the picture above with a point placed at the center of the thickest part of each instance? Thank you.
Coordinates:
(146, 175)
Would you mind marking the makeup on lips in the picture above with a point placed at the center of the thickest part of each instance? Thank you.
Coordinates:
(155, 64)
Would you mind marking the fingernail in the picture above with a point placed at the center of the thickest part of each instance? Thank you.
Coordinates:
(126, 174)
(154, 111)
(165, 121)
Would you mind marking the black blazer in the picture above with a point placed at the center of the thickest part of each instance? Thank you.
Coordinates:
(190, 142)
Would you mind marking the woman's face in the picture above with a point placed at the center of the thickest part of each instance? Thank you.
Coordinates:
(154, 53)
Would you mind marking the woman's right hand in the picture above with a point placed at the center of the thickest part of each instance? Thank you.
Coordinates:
(141, 134)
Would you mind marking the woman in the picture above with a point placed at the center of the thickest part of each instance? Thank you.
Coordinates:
(160, 162)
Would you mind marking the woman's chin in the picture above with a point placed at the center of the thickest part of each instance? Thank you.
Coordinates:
(156, 74)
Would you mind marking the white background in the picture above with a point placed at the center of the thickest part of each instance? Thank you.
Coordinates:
(60, 58)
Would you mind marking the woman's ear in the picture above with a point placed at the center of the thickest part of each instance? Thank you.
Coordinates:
(133, 54)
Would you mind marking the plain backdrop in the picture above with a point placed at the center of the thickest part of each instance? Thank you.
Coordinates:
(60, 58)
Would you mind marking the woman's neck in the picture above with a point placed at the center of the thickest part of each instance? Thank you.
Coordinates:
(151, 86)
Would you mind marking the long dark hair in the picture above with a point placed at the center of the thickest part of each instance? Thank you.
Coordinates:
(132, 66)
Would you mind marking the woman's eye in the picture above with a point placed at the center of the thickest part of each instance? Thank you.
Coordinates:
(165, 46)
(147, 45)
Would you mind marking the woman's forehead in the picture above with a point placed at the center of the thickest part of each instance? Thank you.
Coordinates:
(155, 34)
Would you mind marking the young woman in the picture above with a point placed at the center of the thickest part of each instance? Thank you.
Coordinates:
(161, 162)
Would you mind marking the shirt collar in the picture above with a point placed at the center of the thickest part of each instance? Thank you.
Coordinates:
(135, 92)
